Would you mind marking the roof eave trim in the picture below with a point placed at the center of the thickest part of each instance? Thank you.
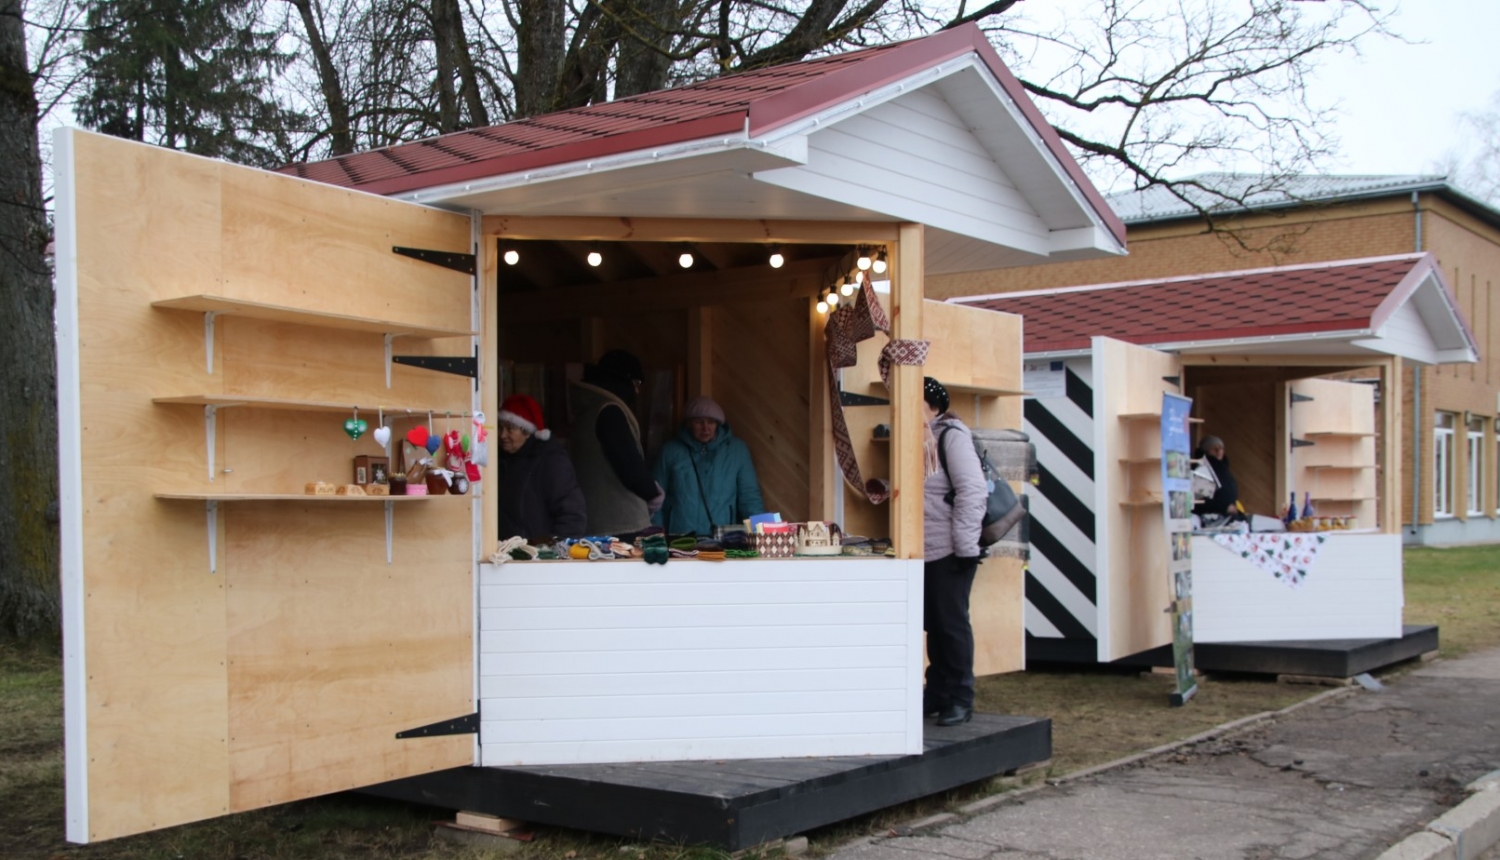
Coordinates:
(449, 181)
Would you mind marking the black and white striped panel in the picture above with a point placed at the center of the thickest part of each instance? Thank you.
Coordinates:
(1061, 607)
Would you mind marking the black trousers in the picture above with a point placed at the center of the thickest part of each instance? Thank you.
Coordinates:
(950, 638)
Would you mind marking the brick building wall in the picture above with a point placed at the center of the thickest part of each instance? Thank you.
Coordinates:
(1467, 249)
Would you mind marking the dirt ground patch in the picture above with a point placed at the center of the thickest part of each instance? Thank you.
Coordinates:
(1098, 716)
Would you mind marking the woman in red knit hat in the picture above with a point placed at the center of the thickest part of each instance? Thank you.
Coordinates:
(539, 492)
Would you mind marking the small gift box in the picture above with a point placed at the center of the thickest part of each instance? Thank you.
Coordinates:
(782, 545)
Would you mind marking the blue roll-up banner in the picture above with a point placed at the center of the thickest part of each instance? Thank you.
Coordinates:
(1177, 504)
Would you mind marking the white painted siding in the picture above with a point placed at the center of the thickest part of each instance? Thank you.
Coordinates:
(914, 158)
(1352, 592)
(624, 661)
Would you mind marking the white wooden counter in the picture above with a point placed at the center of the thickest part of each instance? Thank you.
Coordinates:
(1353, 592)
(624, 661)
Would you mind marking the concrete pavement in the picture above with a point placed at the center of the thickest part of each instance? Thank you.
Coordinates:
(1342, 779)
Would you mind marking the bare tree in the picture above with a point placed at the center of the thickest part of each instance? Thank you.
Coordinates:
(28, 401)
(1474, 164)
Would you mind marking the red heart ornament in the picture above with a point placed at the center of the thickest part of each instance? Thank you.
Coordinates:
(417, 436)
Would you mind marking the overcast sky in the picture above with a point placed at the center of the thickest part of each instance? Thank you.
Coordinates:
(1401, 102)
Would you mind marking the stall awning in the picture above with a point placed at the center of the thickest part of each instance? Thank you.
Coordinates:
(1398, 305)
(934, 131)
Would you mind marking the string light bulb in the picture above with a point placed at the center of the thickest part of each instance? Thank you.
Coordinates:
(833, 298)
(685, 259)
(847, 288)
(880, 265)
(776, 260)
(512, 256)
(864, 259)
(822, 307)
(595, 258)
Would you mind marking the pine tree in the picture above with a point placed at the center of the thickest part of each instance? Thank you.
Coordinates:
(187, 74)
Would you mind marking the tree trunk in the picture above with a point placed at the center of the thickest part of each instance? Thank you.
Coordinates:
(28, 402)
(644, 59)
(539, 45)
(441, 13)
(341, 136)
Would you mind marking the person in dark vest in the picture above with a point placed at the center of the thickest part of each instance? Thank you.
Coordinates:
(1222, 502)
(606, 444)
(538, 491)
(953, 505)
(707, 473)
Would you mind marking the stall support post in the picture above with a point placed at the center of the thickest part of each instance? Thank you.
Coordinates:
(823, 478)
(1392, 421)
(489, 381)
(906, 396)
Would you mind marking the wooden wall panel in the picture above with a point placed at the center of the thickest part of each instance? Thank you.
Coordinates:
(158, 699)
(760, 377)
(1134, 587)
(1244, 416)
(1340, 422)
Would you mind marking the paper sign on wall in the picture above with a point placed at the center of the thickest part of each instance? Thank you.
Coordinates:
(1044, 379)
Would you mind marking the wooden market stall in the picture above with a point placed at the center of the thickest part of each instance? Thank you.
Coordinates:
(1298, 370)
(234, 637)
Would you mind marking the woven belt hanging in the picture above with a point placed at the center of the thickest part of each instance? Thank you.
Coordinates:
(846, 327)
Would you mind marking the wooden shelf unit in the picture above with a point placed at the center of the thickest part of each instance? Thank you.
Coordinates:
(293, 497)
(229, 401)
(1333, 466)
(1339, 434)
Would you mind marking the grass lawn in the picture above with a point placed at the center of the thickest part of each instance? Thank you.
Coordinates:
(1098, 716)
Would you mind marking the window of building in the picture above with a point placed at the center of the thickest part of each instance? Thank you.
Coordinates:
(1475, 451)
(1442, 464)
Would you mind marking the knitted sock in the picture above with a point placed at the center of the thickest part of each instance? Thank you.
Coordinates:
(654, 548)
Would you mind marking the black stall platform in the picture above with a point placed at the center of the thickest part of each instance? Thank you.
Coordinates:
(733, 804)
(1324, 658)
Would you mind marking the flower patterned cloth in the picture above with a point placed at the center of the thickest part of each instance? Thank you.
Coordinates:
(1287, 556)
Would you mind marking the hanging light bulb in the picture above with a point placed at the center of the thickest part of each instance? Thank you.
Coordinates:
(512, 256)
(847, 288)
(595, 258)
(822, 307)
(880, 264)
(685, 259)
(864, 259)
(833, 298)
(776, 260)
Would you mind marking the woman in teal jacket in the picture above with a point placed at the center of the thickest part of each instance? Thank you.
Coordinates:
(707, 475)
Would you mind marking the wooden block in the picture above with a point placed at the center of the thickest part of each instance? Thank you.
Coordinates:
(1318, 680)
(497, 842)
(1428, 656)
(351, 490)
(378, 490)
(487, 822)
(319, 488)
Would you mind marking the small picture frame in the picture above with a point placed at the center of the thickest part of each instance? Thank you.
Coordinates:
(371, 470)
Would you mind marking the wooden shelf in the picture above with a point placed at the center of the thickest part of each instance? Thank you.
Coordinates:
(983, 391)
(1343, 499)
(1141, 503)
(205, 303)
(1136, 461)
(294, 497)
(227, 401)
(1339, 434)
(1316, 466)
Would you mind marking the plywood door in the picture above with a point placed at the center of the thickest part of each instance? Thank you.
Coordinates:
(1338, 470)
(288, 670)
(1134, 588)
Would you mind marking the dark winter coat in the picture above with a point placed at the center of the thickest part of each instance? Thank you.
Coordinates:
(1223, 499)
(706, 484)
(539, 492)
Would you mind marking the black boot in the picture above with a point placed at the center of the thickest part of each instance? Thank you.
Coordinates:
(955, 715)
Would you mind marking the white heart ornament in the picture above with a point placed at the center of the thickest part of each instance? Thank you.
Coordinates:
(382, 436)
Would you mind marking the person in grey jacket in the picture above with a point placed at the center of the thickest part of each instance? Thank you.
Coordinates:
(953, 511)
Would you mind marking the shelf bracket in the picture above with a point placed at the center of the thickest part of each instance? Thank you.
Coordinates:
(390, 517)
(1175, 381)
(849, 398)
(208, 337)
(1300, 398)
(458, 365)
(1301, 443)
(447, 259)
(465, 725)
(213, 535)
(210, 426)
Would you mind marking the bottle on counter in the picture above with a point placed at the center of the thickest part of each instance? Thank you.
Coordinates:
(1291, 511)
(1307, 507)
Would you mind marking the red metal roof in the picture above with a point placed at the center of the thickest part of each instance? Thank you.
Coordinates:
(758, 100)
(1349, 295)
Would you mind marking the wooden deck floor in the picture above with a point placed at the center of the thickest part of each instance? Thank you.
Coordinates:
(734, 804)
(1326, 658)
